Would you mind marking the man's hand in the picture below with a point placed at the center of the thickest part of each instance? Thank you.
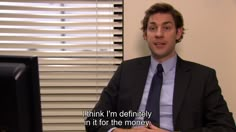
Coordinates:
(150, 128)
(154, 128)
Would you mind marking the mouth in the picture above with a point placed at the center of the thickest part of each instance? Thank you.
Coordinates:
(159, 43)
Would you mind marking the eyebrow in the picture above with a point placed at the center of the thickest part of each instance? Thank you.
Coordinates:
(165, 23)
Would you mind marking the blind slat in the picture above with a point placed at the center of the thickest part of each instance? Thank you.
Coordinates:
(69, 97)
(58, 31)
(46, 8)
(75, 68)
(63, 127)
(60, 38)
(63, 112)
(61, 46)
(56, 23)
(69, 61)
(73, 83)
(68, 1)
(65, 119)
(63, 53)
(75, 75)
(62, 90)
(60, 16)
(68, 105)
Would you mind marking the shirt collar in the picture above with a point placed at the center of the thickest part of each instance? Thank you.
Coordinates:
(167, 65)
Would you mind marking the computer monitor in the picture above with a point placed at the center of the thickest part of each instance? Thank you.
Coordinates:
(20, 106)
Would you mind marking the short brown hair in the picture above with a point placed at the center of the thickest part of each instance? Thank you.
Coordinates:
(163, 8)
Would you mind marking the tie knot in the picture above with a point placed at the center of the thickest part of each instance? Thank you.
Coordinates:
(159, 68)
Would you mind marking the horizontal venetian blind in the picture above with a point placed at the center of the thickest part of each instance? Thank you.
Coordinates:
(79, 45)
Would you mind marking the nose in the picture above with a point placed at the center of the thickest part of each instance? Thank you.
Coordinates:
(159, 32)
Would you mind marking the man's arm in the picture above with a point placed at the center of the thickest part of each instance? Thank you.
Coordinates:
(107, 102)
(217, 117)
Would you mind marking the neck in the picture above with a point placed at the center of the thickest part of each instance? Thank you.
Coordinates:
(161, 59)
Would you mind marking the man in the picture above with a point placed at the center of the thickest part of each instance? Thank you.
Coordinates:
(190, 98)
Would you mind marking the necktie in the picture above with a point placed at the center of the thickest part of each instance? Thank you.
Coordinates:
(153, 102)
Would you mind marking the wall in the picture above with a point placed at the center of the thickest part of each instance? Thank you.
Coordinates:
(210, 37)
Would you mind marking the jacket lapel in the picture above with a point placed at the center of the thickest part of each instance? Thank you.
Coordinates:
(182, 78)
(141, 76)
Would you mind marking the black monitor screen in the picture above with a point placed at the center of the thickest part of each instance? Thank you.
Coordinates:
(20, 107)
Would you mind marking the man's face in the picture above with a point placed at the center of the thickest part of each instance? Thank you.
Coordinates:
(161, 36)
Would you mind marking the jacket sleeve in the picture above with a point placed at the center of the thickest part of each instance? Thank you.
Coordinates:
(217, 117)
(107, 102)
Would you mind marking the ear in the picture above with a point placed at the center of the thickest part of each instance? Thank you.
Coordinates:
(179, 33)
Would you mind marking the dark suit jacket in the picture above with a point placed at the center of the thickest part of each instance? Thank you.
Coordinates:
(198, 105)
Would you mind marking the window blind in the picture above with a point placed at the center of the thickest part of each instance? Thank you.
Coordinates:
(79, 44)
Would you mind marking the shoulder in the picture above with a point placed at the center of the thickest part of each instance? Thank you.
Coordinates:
(136, 64)
(194, 67)
(137, 61)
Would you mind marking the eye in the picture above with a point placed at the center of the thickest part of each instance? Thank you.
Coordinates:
(167, 28)
(152, 28)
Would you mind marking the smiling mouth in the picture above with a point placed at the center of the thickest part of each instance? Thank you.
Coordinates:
(159, 43)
